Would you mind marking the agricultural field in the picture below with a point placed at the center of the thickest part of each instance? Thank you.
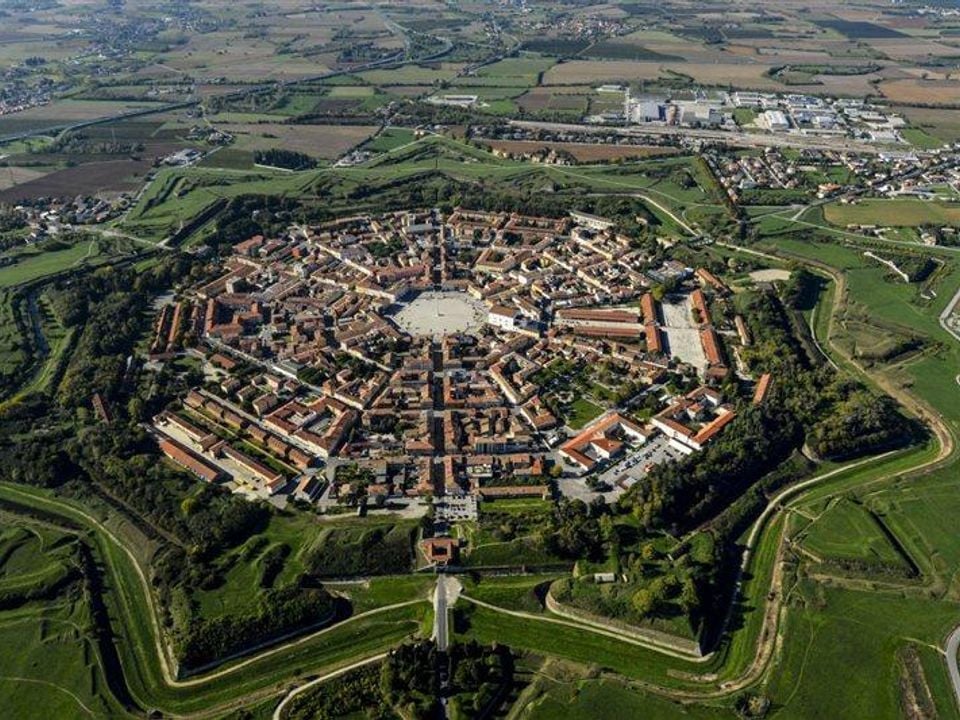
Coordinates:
(109, 176)
(321, 141)
(921, 92)
(896, 212)
(389, 139)
(579, 72)
(942, 124)
(67, 112)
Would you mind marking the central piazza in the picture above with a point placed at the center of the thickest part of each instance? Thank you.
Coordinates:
(436, 314)
(414, 354)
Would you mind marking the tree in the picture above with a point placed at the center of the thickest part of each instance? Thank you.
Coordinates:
(644, 602)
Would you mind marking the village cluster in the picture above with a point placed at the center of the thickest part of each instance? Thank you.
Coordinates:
(383, 358)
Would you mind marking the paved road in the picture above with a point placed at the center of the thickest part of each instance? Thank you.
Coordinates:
(278, 713)
(947, 312)
(444, 596)
(953, 646)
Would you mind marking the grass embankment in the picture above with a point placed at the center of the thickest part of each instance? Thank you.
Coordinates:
(133, 616)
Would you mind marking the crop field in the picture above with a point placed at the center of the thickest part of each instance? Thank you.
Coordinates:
(12, 176)
(921, 139)
(390, 139)
(66, 112)
(579, 72)
(859, 30)
(575, 105)
(561, 47)
(617, 50)
(942, 124)
(322, 141)
(229, 158)
(895, 212)
(89, 178)
(410, 75)
(922, 92)
(589, 72)
(912, 49)
(523, 71)
(241, 59)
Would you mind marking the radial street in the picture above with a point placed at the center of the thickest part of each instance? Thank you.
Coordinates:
(444, 596)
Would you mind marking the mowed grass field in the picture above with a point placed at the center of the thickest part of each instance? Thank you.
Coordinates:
(49, 666)
(847, 530)
(896, 212)
(588, 700)
(833, 633)
(37, 261)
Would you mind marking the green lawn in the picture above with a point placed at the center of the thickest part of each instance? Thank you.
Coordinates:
(49, 666)
(854, 636)
(611, 699)
(582, 412)
(390, 139)
(849, 531)
(518, 592)
(899, 211)
(921, 139)
(35, 262)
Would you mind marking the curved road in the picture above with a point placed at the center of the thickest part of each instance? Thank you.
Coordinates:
(953, 646)
(278, 713)
(947, 312)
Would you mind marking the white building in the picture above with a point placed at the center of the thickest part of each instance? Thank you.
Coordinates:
(773, 120)
(503, 317)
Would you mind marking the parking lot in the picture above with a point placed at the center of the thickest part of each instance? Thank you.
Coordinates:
(655, 451)
(683, 336)
(451, 509)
